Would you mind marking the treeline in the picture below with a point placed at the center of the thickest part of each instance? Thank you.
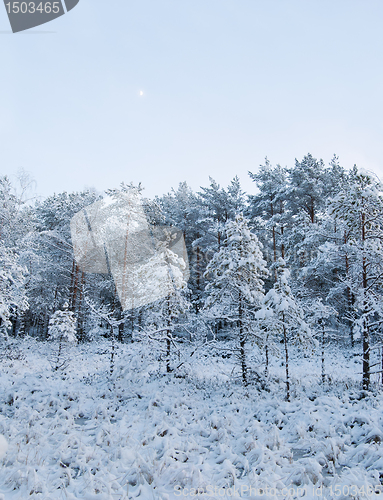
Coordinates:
(300, 259)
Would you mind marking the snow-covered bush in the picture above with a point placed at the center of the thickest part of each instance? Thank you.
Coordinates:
(62, 328)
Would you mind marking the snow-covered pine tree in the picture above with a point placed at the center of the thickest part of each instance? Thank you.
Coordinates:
(284, 317)
(12, 290)
(235, 290)
(16, 220)
(306, 187)
(319, 318)
(16, 217)
(111, 317)
(313, 239)
(218, 205)
(182, 209)
(305, 203)
(56, 276)
(359, 207)
(268, 206)
(62, 328)
(164, 279)
(161, 320)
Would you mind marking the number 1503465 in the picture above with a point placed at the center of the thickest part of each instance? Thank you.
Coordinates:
(32, 7)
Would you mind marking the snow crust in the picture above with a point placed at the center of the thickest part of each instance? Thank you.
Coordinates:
(3, 446)
(79, 434)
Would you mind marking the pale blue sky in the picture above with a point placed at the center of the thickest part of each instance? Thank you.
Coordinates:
(225, 82)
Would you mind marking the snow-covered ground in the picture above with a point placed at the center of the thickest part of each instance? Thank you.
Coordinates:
(81, 434)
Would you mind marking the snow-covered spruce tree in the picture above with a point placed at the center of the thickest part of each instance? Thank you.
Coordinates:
(283, 316)
(359, 207)
(62, 328)
(235, 289)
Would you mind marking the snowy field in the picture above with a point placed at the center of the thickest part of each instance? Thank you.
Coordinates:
(81, 434)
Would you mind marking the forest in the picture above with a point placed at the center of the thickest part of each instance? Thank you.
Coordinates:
(282, 306)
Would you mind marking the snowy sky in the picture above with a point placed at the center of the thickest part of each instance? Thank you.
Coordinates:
(224, 82)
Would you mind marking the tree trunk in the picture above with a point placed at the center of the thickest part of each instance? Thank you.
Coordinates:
(73, 275)
(75, 289)
(168, 346)
(121, 331)
(45, 325)
(323, 344)
(22, 325)
(349, 295)
(274, 242)
(286, 360)
(281, 211)
(168, 339)
(242, 342)
(312, 212)
(366, 333)
(198, 269)
(132, 323)
(58, 356)
(198, 279)
(382, 364)
(267, 361)
(14, 323)
(111, 370)
(242, 355)
(366, 356)
(80, 313)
